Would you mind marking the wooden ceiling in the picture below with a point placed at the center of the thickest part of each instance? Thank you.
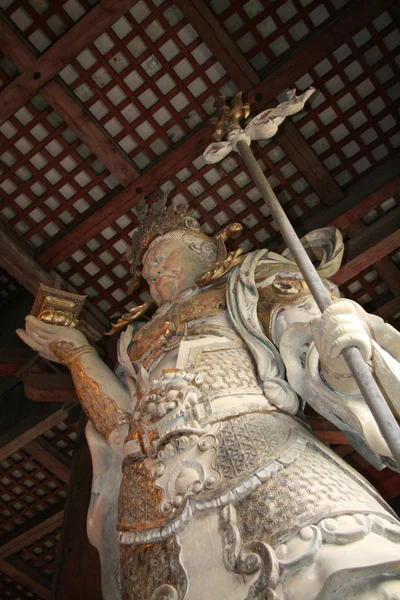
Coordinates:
(102, 102)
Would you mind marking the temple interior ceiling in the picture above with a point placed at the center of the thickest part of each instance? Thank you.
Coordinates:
(104, 102)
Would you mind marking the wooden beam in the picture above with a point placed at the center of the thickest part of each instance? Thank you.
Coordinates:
(60, 54)
(11, 359)
(361, 14)
(220, 43)
(78, 573)
(289, 138)
(49, 387)
(28, 430)
(308, 163)
(344, 450)
(318, 423)
(18, 261)
(48, 381)
(377, 232)
(333, 34)
(367, 204)
(48, 460)
(24, 579)
(389, 308)
(57, 395)
(385, 268)
(31, 535)
(367, 258)
(72, 111)
(367, 192)
(389, 273)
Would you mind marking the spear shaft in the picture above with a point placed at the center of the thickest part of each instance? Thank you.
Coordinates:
(374, 398)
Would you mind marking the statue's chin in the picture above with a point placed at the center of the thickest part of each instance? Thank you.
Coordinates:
(167, 289)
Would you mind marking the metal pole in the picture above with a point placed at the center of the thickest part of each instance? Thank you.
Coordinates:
(376, 402)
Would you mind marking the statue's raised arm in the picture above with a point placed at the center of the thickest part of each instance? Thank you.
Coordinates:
(310, 344)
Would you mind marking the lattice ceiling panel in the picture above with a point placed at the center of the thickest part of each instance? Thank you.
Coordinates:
(42, 22)
(49, 177)
(368, 289)
(41, 554)
(266, 32)
(382, 209)
(62, 437)
(354, 122)
(149, 80)
(13, 590)
(218, 194)
(8, 285)
(26, 490)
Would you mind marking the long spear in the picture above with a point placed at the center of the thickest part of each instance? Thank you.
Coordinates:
(265, 126)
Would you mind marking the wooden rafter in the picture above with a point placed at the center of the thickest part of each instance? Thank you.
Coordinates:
(335, 32)
(328, 37)
(71, 110)
(48, 460)
(219, 42)
(290, 139)
(24, 579)
(74, 41)
(11, 359)
(25, 538)
(28, 430)
(376, 242)
(366, 193)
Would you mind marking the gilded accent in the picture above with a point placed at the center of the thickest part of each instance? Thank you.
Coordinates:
(139, 499)
(133, 315)
(153, 571)
(66, 352)
(57, 306)
(155, 334)
(228, 116)
(221, 268)
(100, 408)
(284, 291)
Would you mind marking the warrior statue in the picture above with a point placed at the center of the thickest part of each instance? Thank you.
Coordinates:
(208, 484)
(207, 481)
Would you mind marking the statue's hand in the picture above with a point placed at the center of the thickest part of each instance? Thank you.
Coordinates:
(39, 336)
(337, 328)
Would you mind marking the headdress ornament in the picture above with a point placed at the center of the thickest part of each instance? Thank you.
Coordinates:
(154, 221)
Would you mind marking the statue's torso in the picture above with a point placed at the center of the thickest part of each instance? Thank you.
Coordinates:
(209, 458)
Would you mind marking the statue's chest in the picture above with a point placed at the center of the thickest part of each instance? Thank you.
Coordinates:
(165, 331)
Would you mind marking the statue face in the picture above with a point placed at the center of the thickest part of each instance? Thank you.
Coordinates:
(171, 267)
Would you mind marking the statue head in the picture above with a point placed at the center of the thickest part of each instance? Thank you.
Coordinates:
(176, 259)
(171, 253)
(168, 249)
